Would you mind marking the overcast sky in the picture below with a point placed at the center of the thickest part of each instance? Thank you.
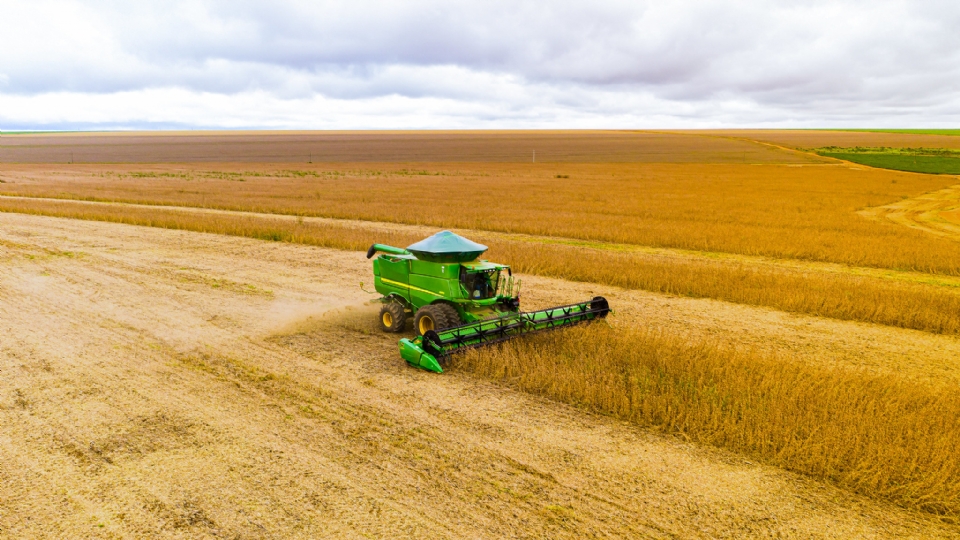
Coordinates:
(293, 64)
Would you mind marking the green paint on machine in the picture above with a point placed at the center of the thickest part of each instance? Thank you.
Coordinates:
(457, 300)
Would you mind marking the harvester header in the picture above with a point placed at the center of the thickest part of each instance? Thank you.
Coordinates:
(457, 300)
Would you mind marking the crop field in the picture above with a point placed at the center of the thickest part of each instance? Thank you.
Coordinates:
(402, 147)
(189, 351)
(809, 139)
(921, 160)
(912, 131)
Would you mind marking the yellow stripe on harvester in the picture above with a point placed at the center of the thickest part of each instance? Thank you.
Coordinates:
(392, 282)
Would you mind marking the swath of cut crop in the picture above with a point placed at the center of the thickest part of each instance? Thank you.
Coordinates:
(877, 435)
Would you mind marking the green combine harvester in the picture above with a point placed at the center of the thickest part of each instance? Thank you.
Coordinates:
(457, 300)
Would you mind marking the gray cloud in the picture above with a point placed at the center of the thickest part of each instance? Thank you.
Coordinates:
(509, 64)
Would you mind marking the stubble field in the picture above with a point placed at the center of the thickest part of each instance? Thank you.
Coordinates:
(764, 307)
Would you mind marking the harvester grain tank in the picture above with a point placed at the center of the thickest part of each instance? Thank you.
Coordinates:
(457, 300)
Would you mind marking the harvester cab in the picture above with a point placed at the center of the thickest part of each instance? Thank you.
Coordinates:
(457, 300)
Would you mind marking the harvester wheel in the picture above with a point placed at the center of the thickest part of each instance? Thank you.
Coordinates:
(392, 317)
(435, 317)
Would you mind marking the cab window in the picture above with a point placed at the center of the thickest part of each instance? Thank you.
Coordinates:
(479, 285)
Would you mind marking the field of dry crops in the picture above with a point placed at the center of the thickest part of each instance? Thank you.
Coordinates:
(392, 147)
(775, 313)
(809, 138)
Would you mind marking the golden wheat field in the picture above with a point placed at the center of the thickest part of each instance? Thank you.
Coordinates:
(811, 138)
(189, 352)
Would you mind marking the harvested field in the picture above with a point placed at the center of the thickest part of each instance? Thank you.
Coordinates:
(190, 354)
(140, 399)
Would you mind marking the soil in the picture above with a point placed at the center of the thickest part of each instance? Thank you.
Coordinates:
(178, 384)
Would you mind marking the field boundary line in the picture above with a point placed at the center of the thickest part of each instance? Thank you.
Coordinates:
(784, 264)
(832, 160)
(828, 160)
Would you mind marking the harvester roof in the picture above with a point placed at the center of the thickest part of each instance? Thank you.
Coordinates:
(446, 246)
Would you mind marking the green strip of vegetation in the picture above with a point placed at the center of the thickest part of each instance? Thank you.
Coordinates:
(954, 132)
(921, 160)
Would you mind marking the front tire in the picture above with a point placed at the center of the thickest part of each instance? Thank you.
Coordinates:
(435, 317)
(392, 317)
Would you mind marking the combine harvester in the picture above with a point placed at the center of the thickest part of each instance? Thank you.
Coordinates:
(457, 300)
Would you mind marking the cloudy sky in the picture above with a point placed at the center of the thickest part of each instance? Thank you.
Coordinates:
(292, 64)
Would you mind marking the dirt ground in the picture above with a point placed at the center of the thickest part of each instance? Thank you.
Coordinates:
(176, 384)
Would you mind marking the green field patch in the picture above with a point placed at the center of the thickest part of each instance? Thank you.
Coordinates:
(954, 132)
(921, 160)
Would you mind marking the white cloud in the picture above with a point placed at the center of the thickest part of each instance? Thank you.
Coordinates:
(420, 63)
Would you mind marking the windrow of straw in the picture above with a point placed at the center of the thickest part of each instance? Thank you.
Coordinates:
(878, 435)
(847, 297)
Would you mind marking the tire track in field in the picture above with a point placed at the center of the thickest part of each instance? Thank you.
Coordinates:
(935, 212)
(71, 320)
(355, 423)
(139, 411)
